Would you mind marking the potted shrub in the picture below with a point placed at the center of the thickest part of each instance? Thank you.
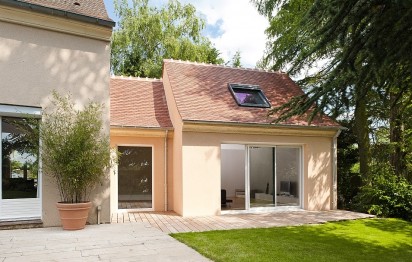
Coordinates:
(76, 153)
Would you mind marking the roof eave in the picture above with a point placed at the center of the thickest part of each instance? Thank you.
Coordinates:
(58, 12)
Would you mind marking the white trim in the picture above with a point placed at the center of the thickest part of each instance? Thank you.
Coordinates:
(20, 208)
(116, 195)
(19, 111)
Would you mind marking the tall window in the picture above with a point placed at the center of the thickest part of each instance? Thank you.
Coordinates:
(19, 158)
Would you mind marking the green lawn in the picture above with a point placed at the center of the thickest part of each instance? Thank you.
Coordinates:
(355, 240)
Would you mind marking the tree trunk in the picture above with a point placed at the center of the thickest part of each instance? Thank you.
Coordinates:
(396, 138)
(362, 134)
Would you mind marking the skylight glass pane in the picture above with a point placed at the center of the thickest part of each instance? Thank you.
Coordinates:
(248, 95)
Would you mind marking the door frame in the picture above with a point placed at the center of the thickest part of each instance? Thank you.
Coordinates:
(32, 205)
(249, 209)
(116, 182)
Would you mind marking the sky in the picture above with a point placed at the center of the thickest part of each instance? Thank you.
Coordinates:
(231, 25)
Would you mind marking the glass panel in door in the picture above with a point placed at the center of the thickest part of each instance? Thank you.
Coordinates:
(135, 177)
(19, 162)
(287, 176)
(262, 176)
(232, 193)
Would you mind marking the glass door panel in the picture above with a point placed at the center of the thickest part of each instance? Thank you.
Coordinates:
(262, 176)
(288, 176)
(20, 183)
(232, 177)
(19, 163)
(135, 177)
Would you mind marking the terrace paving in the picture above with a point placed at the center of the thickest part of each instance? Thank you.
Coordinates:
(142, 236)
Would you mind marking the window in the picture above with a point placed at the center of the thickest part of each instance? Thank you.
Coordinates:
(249, 95)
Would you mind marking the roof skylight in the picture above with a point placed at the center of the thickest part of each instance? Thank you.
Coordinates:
(249, 95)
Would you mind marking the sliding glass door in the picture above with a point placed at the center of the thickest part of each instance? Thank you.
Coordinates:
(267, 176)
(274, 174)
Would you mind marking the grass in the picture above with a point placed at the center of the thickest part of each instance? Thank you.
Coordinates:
(355, 240)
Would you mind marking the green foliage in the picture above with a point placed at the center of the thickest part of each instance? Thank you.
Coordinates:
(75, 151)
(146, 35)
(356, 240)
(348, 157)
(236, 60)
(352, 57)
(387, 195)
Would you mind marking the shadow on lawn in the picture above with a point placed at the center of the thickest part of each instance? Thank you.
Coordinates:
(392, 225)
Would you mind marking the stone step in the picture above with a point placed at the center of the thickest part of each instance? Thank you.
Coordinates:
(21, 224)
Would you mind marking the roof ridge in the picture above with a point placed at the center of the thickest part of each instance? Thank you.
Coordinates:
(137, 78)
(221, 66)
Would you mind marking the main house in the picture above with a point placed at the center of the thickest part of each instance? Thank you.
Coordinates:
(199, 141)
(46, 45)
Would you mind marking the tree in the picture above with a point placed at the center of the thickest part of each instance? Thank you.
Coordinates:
(146, 35)
(364, 48)
(236, 60)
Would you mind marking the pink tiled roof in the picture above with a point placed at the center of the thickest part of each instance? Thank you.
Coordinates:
(201, 93)
(138, 102)
(92, 8)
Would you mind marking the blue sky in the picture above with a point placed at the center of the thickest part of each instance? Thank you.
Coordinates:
(232, 25)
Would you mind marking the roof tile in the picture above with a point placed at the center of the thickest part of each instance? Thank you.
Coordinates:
(91, 8)
(201, 93)
(136, 102)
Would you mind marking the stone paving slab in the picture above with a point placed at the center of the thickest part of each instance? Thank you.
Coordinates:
(170, 222)
(109, 242)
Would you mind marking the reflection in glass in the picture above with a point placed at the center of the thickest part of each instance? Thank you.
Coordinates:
(20, 165)
(274, 176)
(232, 193)
(135, 177)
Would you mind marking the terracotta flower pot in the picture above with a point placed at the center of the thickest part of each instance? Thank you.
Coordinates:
(73, 216)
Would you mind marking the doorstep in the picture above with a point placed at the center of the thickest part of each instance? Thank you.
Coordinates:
(21, 224)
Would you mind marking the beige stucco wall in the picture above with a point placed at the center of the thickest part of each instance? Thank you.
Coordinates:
(201, 169)
(176, 192)
(35, 61)
(134, 138)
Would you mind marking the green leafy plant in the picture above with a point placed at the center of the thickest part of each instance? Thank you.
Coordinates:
(386, 195)
(75, 150)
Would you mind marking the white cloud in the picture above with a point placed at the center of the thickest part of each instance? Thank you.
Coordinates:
(242, 28)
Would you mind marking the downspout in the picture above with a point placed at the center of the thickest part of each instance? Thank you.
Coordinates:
(165, 171)
(335, 170)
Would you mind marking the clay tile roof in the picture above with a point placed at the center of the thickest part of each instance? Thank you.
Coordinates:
(90, 8)
(201, 93)
(136, 102)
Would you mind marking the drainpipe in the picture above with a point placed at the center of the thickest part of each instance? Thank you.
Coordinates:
(335, 170)
(165, 171)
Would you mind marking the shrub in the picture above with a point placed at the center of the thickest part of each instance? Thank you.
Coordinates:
(386, 195)
(75, 150)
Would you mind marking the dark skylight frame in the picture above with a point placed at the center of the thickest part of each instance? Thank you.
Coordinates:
(249, 95)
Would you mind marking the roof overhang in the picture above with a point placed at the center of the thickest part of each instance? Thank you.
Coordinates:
(74, 24)
(259, 129)
(58, 12)
(130, 131)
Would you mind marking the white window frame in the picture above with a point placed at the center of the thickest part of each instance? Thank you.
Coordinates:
(21, 112)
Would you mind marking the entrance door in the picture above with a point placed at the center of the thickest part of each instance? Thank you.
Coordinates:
(135, 181)
(20, 184)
